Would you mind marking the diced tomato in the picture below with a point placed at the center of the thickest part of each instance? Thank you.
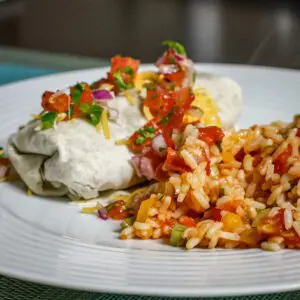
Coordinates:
(160, 174)
(240, 155)
(298, 132)
(230, 205)
(176, 77)
(216, 214)
(119, 62)
(53, 102)
(159, 102)
(86, 97)
(291, 238)
(4, 161)
(117, 210)
(168, 58)
(170, 222)
(211, 134)
(280, 163)
(175, 163)
(184, 98)
(137, 142)
(187, 221)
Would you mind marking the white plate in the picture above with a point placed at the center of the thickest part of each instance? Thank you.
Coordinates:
(49, 241)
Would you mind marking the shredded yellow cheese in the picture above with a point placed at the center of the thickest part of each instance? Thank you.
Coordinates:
(147, 113)
(104, 122)
(89, 210)
(121, 142)
(131, 100)
(145, 77)
(208, 106)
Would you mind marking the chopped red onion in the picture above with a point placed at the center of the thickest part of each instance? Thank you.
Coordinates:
(102, 213)
(179, 57)
(146, 168)
(135, 160)
(159, 145)
(102, 95)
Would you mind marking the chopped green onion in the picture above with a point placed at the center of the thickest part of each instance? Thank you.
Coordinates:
(179, 48)
(161, 149)
(176, 238)
(140, 140)
(127, 222)
(48, 120)
(166, 119)
(148, 135)
(147, 132)
(120, 82)
(150, 129)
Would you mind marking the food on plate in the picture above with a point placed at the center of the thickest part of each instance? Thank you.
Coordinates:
(78, 145)
(229, 189)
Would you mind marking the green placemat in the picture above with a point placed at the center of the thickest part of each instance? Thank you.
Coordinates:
(16, 65)
(12, 289)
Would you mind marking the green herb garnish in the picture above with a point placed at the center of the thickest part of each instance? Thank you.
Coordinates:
(150, 129)
(48, 120)
(162, 149)
(179, 48)
(140, 140)
(147, 132)
(77, 92)
(120, 82)
(166, 119)
(93, 111)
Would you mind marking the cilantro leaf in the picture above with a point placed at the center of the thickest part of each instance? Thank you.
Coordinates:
(76, 95)
(120, 82)
(48, 120)
(95, 113)
(179, 48)
(140, 140)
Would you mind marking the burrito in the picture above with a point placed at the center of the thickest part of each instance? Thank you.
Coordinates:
(73, 158)
(62, 152)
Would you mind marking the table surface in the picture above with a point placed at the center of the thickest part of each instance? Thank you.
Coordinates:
(16, 68)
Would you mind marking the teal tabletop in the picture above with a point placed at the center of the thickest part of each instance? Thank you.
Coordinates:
(13, 289)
